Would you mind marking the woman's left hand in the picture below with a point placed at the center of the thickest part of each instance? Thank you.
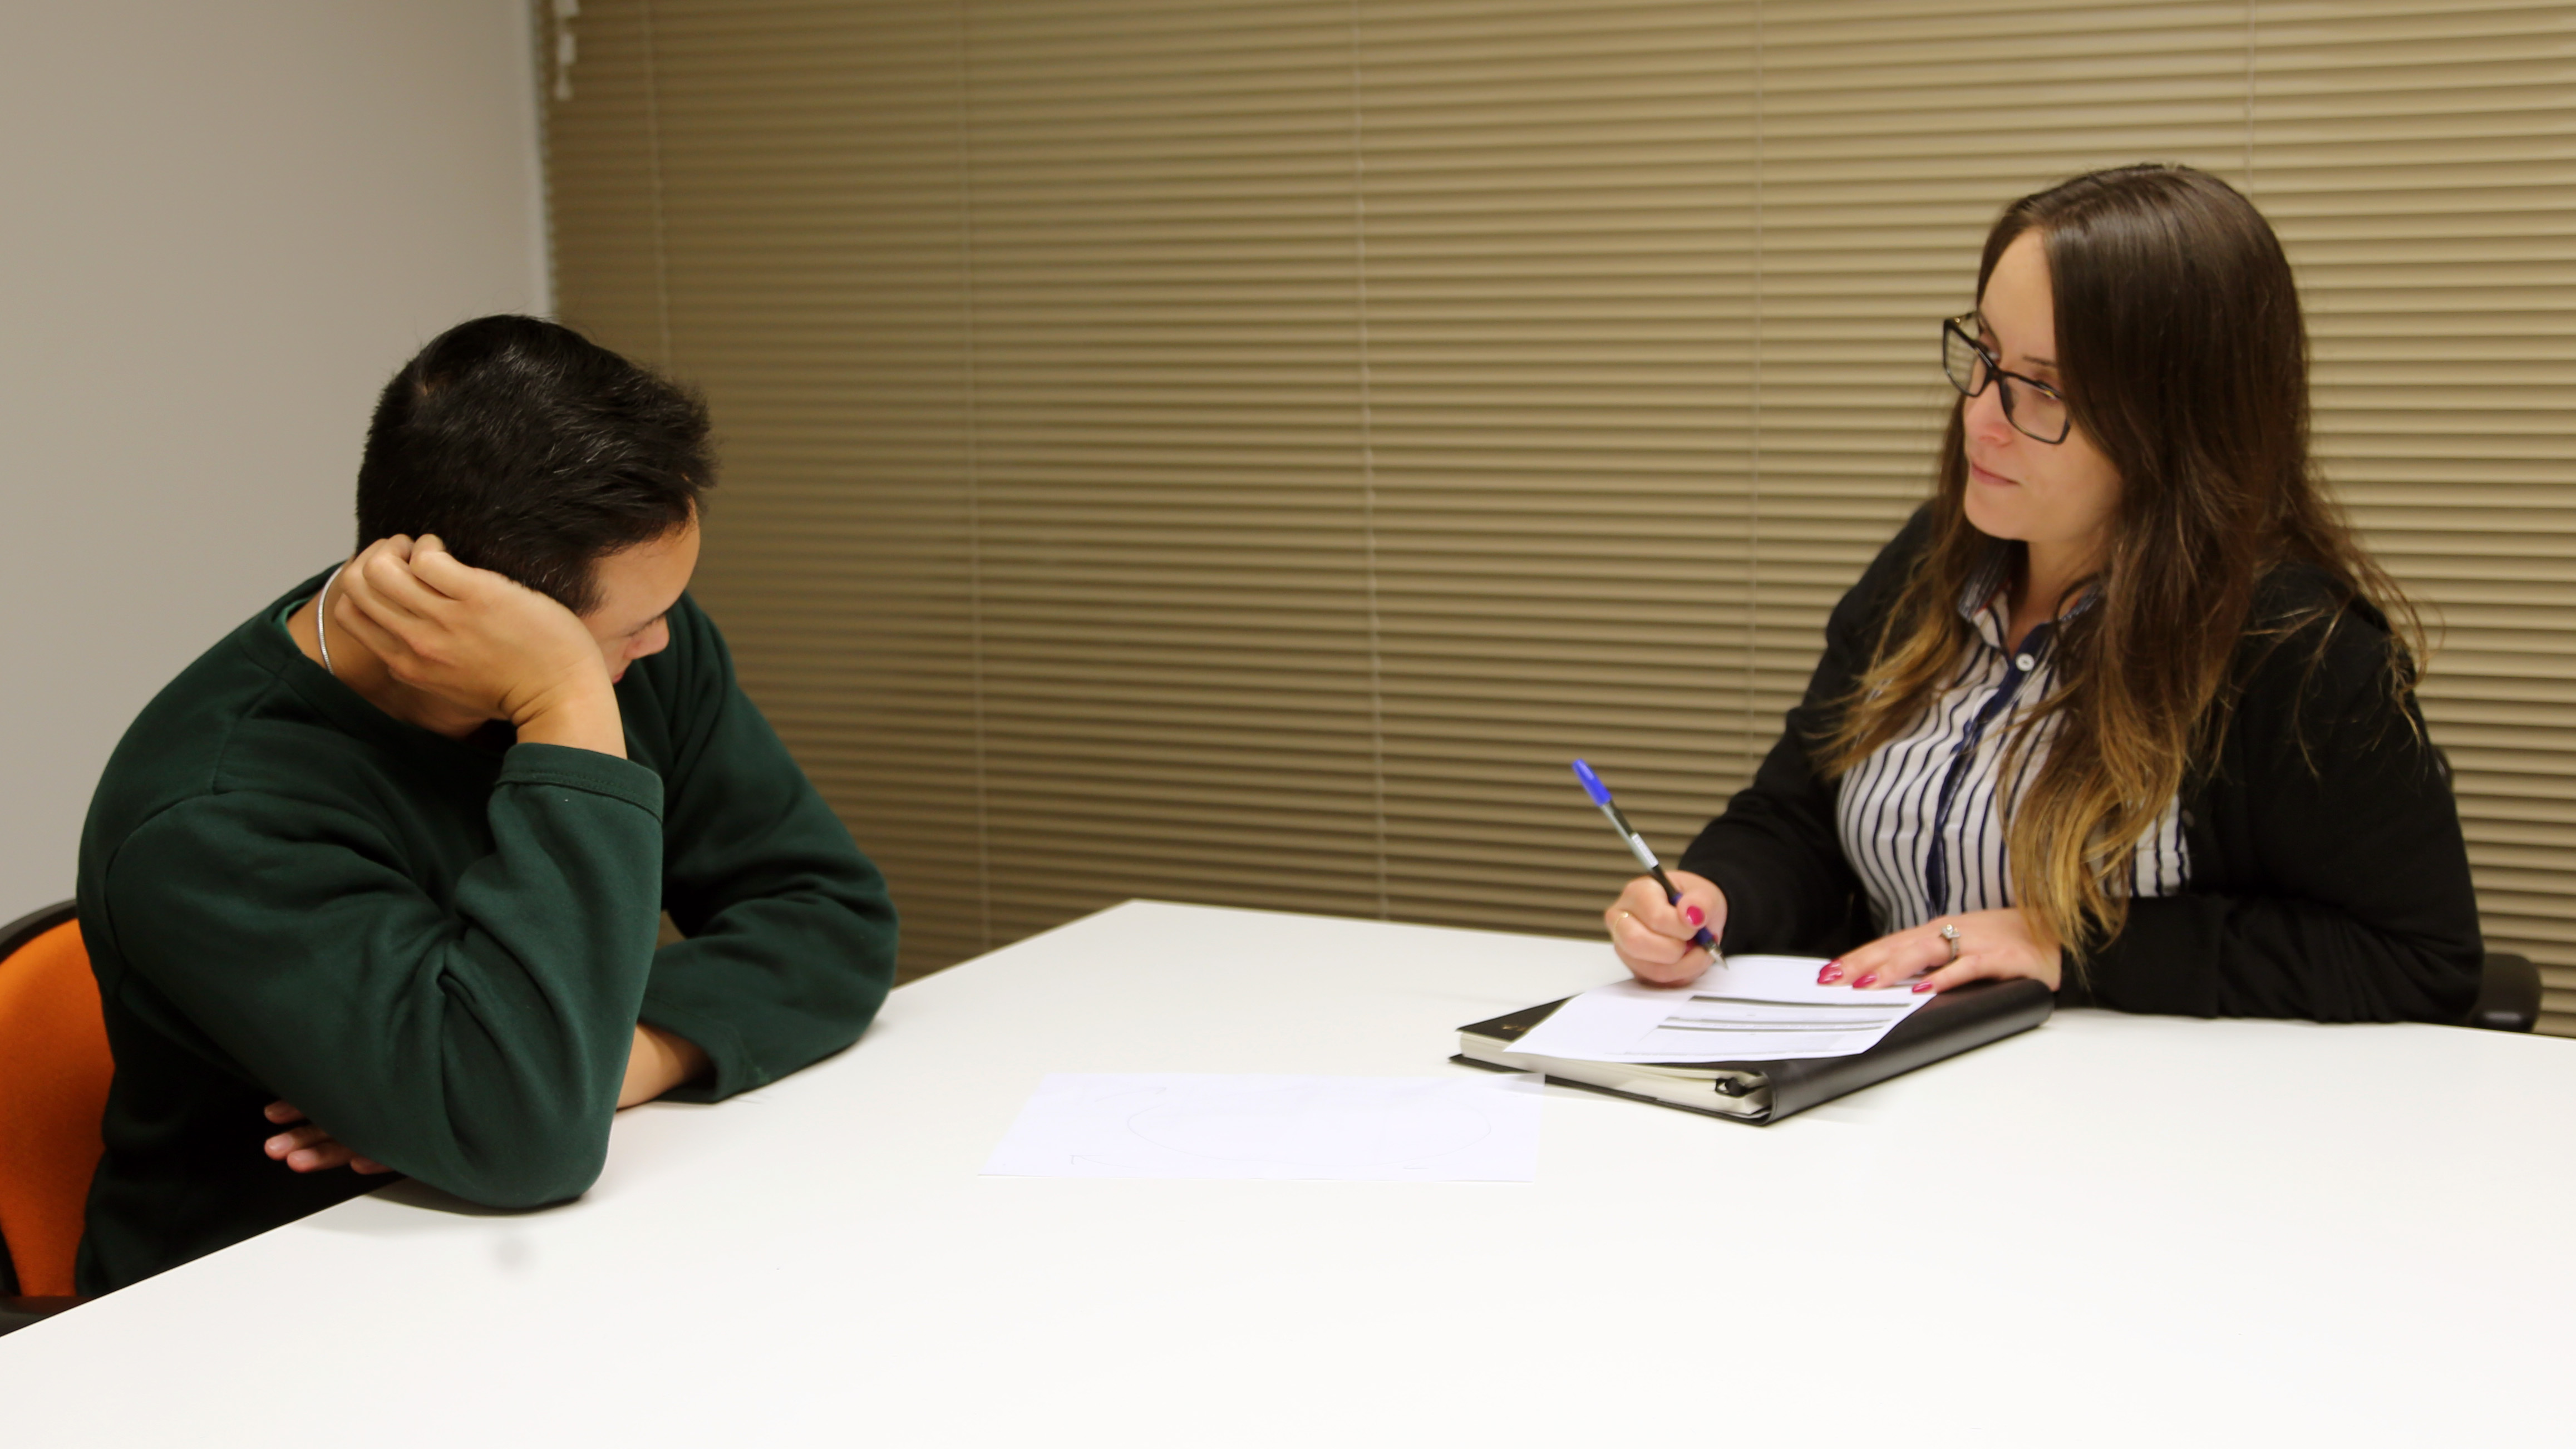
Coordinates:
(1993, 945)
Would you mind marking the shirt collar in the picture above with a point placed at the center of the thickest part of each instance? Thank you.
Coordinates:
(1981, 603)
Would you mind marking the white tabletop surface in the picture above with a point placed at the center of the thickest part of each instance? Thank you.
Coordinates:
(2112, 1230)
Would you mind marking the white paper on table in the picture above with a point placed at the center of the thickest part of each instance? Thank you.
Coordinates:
(1752, 1009)
(1351, 1129)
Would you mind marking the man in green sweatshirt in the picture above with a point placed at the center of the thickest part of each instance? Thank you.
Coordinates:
(375, 884)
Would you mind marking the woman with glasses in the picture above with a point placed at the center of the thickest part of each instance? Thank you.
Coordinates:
(2125, 708)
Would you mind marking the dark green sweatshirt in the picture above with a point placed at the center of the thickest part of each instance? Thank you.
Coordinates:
(439, 949)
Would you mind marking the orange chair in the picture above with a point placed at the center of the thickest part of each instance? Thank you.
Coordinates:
(54, 1071)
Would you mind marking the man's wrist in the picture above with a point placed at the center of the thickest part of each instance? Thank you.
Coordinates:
(584, 718)
(659, 1061)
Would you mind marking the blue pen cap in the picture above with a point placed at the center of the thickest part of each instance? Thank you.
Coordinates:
(1592, 785)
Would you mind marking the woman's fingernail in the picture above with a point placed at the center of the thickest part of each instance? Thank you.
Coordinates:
(1866, 982)
(1831, 974)
(275, 1145)
(1697, 916)
(1922, 986)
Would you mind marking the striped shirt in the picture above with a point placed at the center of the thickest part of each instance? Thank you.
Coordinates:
(1918, 817)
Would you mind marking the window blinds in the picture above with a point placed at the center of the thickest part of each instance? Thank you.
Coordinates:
(2420, 164)
(1240, 451)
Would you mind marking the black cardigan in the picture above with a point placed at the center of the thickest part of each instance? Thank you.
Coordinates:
(2329, 883)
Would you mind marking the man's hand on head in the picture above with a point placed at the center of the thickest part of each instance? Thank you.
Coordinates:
(480, 642)
(309, 1148)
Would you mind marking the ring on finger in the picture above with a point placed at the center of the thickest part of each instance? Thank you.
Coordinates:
(1950, 933)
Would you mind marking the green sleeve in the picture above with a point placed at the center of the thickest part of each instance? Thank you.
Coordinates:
(478, 1044)
(791, 935)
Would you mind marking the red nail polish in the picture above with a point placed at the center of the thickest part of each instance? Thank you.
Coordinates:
(1697, 916)
(1866, 982)
(1922, 986)
(1831, 974)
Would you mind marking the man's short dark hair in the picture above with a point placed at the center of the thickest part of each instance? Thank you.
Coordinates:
(533, 452)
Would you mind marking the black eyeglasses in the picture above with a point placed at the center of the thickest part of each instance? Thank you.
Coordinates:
(2035, 409)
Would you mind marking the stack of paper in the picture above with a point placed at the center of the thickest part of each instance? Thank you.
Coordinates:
(1752, 1009)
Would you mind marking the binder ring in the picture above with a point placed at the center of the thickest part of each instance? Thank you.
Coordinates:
(1950, 933)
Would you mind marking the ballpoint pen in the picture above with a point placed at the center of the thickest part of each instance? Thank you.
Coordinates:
(1600, 794)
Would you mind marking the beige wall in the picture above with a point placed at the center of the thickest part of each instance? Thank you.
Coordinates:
(221, 228)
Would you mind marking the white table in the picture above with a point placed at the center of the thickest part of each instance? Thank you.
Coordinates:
(2111, 1230)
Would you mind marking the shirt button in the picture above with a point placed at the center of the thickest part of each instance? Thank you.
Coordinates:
(2025, 662)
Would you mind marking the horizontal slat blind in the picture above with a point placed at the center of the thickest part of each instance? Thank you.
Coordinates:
(809, 160)
(601, 163)
(1167, 397)
(2420, 163)
(1559, 282)
(1239, 450)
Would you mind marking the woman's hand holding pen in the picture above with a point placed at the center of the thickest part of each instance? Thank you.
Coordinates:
(1992, 945)
(1653, 936)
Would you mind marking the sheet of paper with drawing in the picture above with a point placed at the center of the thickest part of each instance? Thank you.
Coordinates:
(1349, 1129)
(1752, 1009)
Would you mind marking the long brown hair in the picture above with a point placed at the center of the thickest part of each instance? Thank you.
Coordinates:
(2184, 358)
